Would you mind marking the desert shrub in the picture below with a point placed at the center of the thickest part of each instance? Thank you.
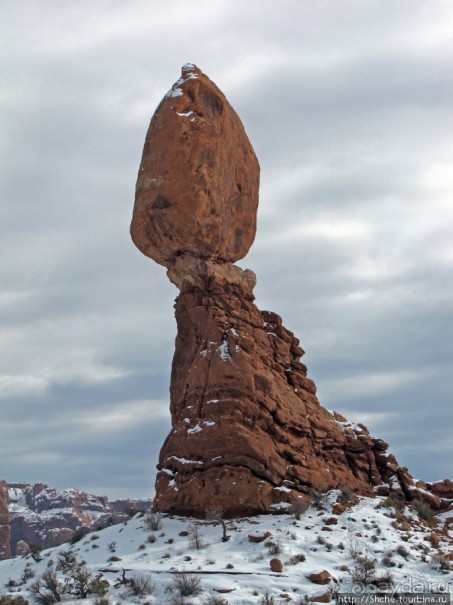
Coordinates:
(153, 521)
(141, 585)
(151, 538)
(9, 599)
(28, 573)
(179, 601)
(383, 581)
(402, 551)
(230, 566)
(47, 590)
(395, 501)
(298, 508)
(267, 599)
(35, 552)
(423, 509)
(186, 584)
(77, 537)
(275, 548)
(387, 559)
(321, 540)
(214, 600)
(440, 562)
(364, 570)
(295, 559)
(317, 496)
(112, 546)
(346, 493)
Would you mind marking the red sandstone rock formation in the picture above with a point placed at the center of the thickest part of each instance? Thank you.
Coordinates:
(45, 517)
(5, 528)
(248, 433)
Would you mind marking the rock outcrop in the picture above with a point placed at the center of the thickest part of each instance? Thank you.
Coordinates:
(5, 527)
(44, 517)
(248, 433)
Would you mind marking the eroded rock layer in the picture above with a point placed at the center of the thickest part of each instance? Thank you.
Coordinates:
(5, 527)
(248, 433)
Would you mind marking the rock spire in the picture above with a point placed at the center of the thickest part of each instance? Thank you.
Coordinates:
(248, 433)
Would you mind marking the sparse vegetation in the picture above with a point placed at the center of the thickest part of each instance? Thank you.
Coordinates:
(317, 497)
(295, 559)
(141, 585)
(218, 515)
(153, 521)
(9, 599)
(299, 507)
(267, 599)
(402, 551)
(364, 571)
(346, 493)
(186, 584)
(35, 552)
(47, 590)
(440, 562)
(423, 509)
(196, 539)
(275, 548)
(214, 600)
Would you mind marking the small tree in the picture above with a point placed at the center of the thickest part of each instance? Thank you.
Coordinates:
(364, 570)
(218, 515)
(47, 590)
(195, 536)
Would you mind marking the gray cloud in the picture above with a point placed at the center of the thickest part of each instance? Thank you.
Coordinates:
(349, 110)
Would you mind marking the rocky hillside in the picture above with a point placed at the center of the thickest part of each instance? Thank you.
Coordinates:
(340, 543)
(43, 516)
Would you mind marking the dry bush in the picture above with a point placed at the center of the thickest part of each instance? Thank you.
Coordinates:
(186, 584)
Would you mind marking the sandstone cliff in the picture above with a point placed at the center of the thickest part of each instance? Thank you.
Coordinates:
(5, 528)
(45, 517)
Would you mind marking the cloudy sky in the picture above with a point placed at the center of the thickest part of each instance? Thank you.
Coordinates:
(349, 106)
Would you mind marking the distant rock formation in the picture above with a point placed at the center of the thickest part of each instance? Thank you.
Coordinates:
(248, 433)
(42, 516)
(5, 527)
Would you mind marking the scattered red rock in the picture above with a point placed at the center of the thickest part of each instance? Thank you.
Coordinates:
(276, 565)
(331, 521)
(257, 538)
(322, 598)
(22, 548)
(322, 577)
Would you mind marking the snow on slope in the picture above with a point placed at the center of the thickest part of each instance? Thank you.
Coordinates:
(367, 528)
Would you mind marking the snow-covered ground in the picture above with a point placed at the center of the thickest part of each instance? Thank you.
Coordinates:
(410, 550)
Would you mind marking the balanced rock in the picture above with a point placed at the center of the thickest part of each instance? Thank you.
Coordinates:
(197, 188)
(248, 433)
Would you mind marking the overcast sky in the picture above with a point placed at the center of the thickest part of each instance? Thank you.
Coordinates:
(349, 106)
